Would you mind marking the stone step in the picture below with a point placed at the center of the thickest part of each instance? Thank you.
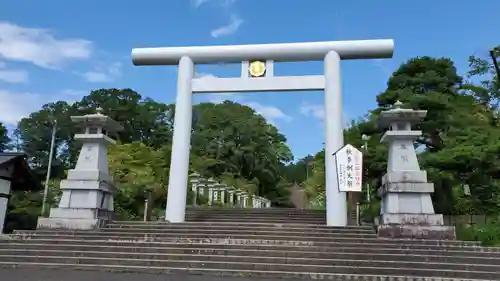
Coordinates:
(254, 210)
(254, 231)
(369, 267)
(210, 232)
(254, 217)
(240, 223)
(168, 236)
(243, 228)
(255, 213)
(264, 220)
(259, 220)
(439, 262)
(75, 272)
(232, 244)
(241, 250)
(204, 232)
(240, 239)
(172, 253)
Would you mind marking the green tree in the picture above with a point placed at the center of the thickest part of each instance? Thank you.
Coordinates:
(232, 139)
(35, 132)
(137, 170)
(299, 171)
(484, 83)
(144, 120)
(4, 138)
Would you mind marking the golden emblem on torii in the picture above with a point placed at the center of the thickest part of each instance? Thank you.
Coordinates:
(257, 68)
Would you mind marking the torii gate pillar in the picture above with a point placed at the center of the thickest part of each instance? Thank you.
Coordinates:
(186, 58)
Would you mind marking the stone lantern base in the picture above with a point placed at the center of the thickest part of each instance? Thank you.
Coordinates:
(86, 202)
(74, 219)
(415, 226)
(407, 210)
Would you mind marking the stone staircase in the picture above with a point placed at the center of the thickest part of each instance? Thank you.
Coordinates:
(259, 243)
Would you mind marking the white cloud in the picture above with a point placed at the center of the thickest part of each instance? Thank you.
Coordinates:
(315, 110)
(318, 111)
(223, 3)
(72, 92)
(17, 105)
(233, 26)
(382, 65)
(103, 74)
(96, 76)
(197, 3)
(14, 76)
(222, 97)
(271, 113)
(204, 75)
(218, 97)
(40, 46)
(226, 5)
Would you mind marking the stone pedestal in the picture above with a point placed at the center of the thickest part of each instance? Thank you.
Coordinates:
(245, 198)
(406, 207)
(219, 193)
(238, 199)
(88, 192)
(268, 203)
(211, 188)
(230, 195)
(195, 181)
(254, 201)
(241, 199)
(202, 190)
(223, 195)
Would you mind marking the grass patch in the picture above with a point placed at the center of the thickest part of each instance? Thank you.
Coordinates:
(488, 234)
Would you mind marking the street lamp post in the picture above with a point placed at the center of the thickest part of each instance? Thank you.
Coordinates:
(49, 168)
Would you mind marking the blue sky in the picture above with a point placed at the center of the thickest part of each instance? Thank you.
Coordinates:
(52, 50)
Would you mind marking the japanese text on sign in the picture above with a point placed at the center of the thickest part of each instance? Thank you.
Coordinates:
(349, 165)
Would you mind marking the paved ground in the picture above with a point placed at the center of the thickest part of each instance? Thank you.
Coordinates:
(38, 274)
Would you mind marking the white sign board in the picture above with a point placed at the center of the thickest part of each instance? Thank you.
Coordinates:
(349, 164)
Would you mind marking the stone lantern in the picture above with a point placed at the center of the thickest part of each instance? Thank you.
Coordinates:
(230, 195)
(244, 199)
(88, 192)
(255, 201)
(241, 198)
(406, 208)
(211, 191)
(219, 192)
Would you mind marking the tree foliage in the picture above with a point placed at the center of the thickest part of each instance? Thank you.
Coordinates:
(4, 138)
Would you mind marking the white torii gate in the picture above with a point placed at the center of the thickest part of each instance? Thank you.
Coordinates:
(186, 58)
